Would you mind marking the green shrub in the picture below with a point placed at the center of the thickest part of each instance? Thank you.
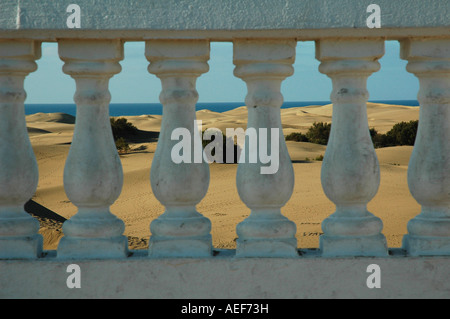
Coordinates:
(319, 158)
(403, 133)
(378, 139)
(297, 137)
(319, 133)
(122, 145)
(122, 128)
(373, 132)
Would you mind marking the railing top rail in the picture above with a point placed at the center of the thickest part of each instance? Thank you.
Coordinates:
(223, 20)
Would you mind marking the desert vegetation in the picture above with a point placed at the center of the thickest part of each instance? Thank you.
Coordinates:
(122, 130)
(403, 133)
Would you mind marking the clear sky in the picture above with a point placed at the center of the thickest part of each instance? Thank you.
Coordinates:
(135, 85)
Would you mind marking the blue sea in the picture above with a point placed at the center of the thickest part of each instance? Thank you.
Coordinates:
(126, 109)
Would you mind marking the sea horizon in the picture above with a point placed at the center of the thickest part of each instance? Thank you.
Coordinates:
(136, 109)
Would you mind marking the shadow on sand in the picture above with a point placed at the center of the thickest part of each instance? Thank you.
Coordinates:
(36, 209)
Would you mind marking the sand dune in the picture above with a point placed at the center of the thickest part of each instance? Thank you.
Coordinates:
(51, 117)
(146, 122)
(51, 134)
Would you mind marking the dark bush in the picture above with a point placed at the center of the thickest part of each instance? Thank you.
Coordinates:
(403, 133)
(319, 158)
(377, 138)
(373, 132)
(122, 145)
(319, 133)
(297, 137)
(121, 130)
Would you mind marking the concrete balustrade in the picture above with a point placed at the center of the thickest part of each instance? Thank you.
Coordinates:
(350, 171)
(263, 65)
(181, 258)
(429, 166)
(181, 231)
(18, 166)
(93, 232)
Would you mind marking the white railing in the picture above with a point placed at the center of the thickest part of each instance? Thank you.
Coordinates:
(177, 48)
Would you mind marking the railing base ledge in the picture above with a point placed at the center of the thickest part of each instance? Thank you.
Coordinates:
(226, 276)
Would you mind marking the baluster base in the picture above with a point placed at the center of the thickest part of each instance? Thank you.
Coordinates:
(19, 236)
(351, 246)
(23, 247)
(266, 236)
(97, 236)
(180, 247)
(353, 231)
(279, 248)
(429, 233)
(426, 246)
(93, 248)
(180, 232)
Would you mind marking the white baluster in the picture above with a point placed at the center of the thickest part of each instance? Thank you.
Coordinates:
(93, 173)
(180, 231)
(18, 166)
(265, 187)
(429, 165)
(350, 171)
